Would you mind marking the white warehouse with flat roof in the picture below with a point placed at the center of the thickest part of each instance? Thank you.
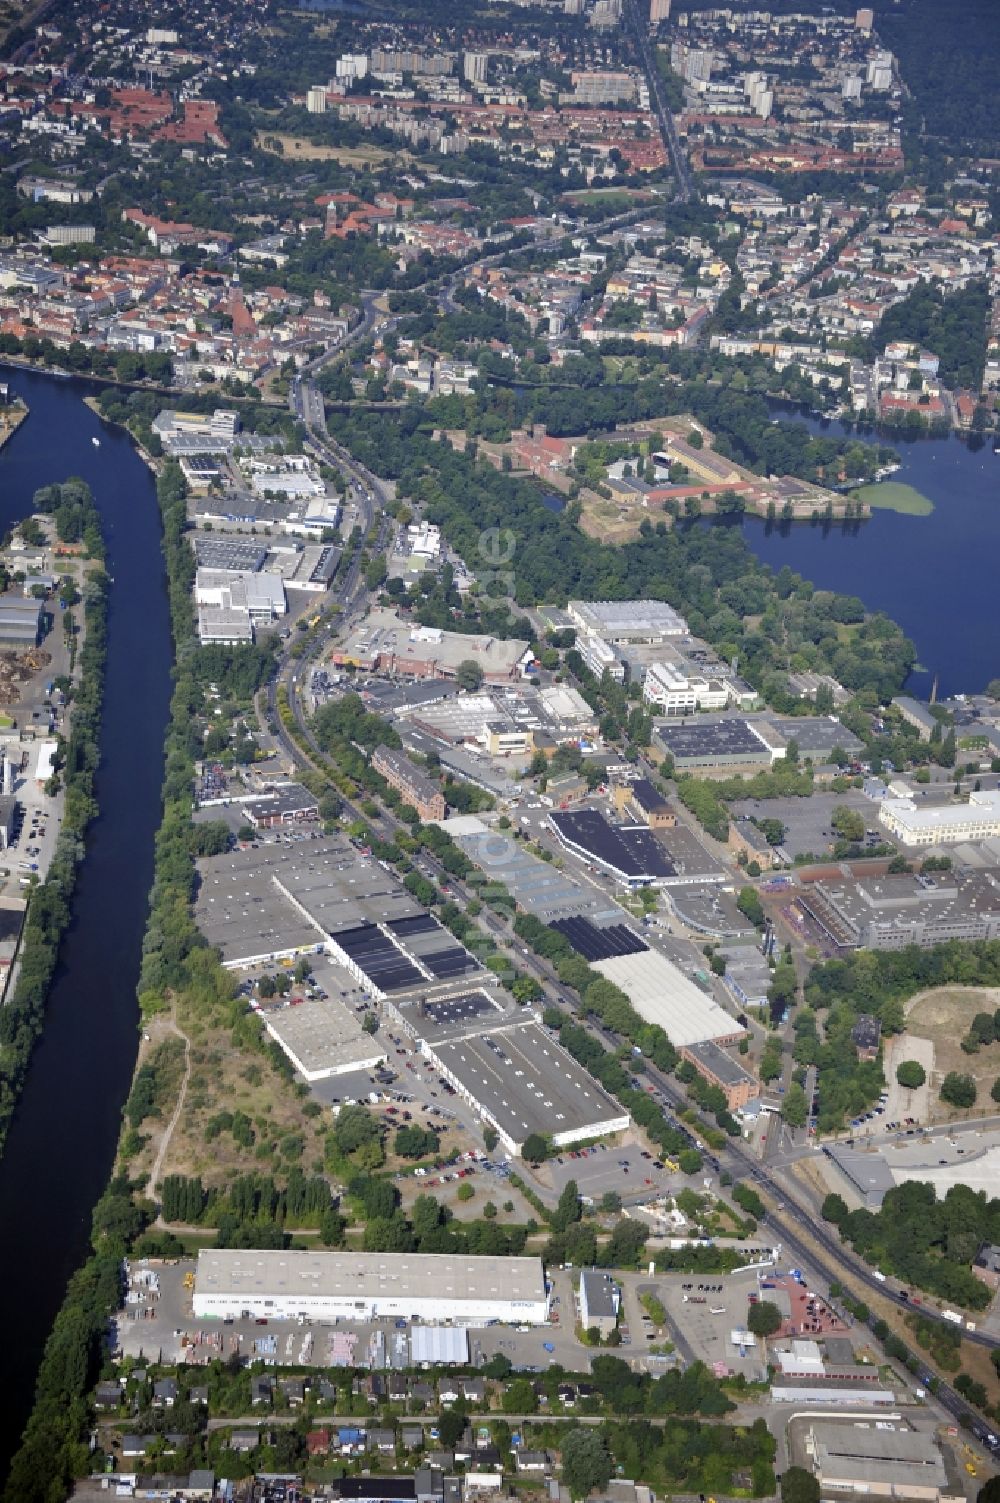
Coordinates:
(327, 1286)
(661, 993)
(943, 824)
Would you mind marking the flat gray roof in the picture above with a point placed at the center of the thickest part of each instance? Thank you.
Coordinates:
(247, 902)
(323, 1035)
(536, 885)
(523, 1079)
(815, 733)
(722, 1065)
(360, 1275)
(600, 1287)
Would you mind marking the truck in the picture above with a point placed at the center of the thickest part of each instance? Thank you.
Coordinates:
(953, 1316)
(878, 1274)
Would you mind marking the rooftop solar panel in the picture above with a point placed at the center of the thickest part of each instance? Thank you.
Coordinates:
(449, 963)
(420, 923)
(599, 944)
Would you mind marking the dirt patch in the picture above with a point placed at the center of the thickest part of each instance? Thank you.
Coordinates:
(942, 1016)
(226, 1079)
(301, 149)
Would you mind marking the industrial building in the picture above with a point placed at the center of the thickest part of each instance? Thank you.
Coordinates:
(646, 802)
(20, 620)
(323, 1036)
(922, 824)
(384, 643)
(628, 620)
(630, 853)
(816, 736)
(233, 594)
(600, 1300)
(670, 691)
(716, 747)
(328, 1286)
(536, 886)
(280, 901)
(662, 994)
(522, 1082)
(509, 720)
(894, 1462)
(890, 912)
(916, 715)
(282, 804)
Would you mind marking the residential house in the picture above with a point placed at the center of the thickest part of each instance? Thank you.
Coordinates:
(244, 1440)
(165, 1393)
(532, 1462)
(261, 1391)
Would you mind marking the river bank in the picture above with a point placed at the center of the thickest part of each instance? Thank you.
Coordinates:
(49, 909)
(62, 1139)
(11, 418)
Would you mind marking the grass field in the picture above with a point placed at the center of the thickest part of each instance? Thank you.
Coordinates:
(301, 149)
(893, 495)
(943, 1016)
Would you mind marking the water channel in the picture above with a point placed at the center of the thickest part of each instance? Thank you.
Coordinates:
(61, 1144)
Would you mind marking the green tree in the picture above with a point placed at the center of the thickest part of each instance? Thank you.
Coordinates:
(568, 1208)
(451, 1427)
(749, 904)
(519, 1397)
(848, 823)
(958, 1090)
(354, 1127)
(795, 1108)
(834, 1208)
(586, 1461)
(535, 1149)
(764, 1318)
(468, 675)
(911, 1074)
(799, 1486)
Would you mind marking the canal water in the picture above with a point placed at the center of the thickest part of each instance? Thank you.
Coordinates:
(60, 1148)
(935, 575)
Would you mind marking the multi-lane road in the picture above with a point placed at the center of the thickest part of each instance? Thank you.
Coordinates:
(658, 101)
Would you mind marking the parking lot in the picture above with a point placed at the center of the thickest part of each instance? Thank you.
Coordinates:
(34, 839)
(630, 1171)
(807, 820)
(703, 1311)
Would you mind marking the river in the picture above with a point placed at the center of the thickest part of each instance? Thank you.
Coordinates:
(935, 575)
(61, 1144)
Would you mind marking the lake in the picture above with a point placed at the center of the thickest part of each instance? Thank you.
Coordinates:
(935, 575)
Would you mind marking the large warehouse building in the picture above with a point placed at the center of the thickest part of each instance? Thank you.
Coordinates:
(662, 994)
(522, 1082)
(327, 1286)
